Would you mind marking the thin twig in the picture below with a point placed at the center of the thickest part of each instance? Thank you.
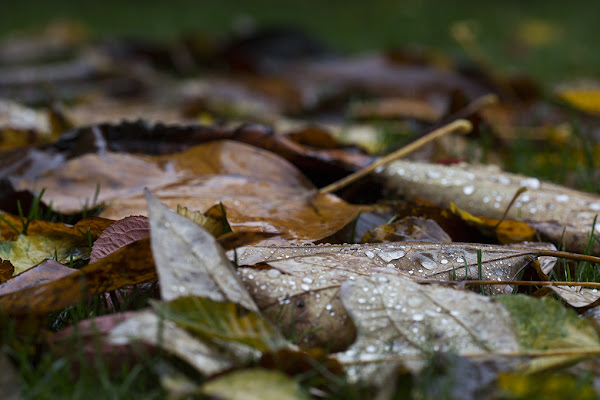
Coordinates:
(460, 125)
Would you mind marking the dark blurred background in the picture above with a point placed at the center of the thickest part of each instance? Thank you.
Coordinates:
(550, 40)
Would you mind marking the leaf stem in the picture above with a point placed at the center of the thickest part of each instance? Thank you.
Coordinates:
(460, 125)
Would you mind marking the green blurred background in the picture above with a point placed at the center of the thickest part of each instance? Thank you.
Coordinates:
(551, 40)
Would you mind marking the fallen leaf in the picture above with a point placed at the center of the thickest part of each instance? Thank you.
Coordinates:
(149, 328)
(211, 320)
(42, 273)
(189, 260)
(127, 266)
(298, 287)
(254, 384)
(396, 317)
(408, 229)
(119, 234)
(544, 324)
(564, 216)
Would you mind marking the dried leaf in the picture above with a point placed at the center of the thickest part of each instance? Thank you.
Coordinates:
(119, 234)
(299, 286)
(211, 320)
(147, 327)
(558, 213)
(408, 229)
(42, 273)
(544, 324)
(577, 296)
(30, 250)
(127, 266)
(254, 384)
(189, 260)
(396, 317)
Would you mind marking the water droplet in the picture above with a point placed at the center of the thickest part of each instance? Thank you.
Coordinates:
(382, 279)
(418, 317)
(361, 300)
(263, 286)
(304, 286)
(332, 313)
(433, 174)
(308, 280)
(525, 198)
(371, 348)
(388, 256)
(469, 189)
(328, 307)
(369, 254)
(454, 313)
(486, 199)
(273, 273)
(444, 261)
(531, 183)
(562, 198)
(594, 206)
(503, 180)
(250, 276)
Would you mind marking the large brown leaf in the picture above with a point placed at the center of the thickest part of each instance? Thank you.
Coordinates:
(261, 192)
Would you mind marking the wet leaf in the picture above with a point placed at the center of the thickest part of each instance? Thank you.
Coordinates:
(189, 260)
(556, 212)
(396, 317)
(127, 266)
(577, 296)
(260, 191)
(544, 324)
(30, 250)
(149, 328)
(211, 320)
(119, 234)
(408, 229)
(254, 384)
(42, 273)
(505, 231)
(546, 386)
(299, 286)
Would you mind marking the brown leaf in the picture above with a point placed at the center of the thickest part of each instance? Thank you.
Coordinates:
(129, 265)
(119, 234)
(43, 273)
(408, 229)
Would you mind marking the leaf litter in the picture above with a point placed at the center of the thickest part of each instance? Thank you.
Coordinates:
(380, 308)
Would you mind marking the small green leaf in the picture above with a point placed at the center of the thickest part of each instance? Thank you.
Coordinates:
(543, 324)
(254, 384)
(226, 321)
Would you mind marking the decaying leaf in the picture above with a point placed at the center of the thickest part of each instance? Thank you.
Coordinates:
(544, 324)
(149, 328)
(119, 234)
(127, 266)
(254, 384)
(300, 288)
(44, 272)
(396, 317)
(577, 296)
(46, 240)
(558, 213)
(211, 320)
(189, 260)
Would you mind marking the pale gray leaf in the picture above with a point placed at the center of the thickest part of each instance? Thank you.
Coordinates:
(396, 317)
(487, 191)
(147, 327)
(577, 296)
(189, 261)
